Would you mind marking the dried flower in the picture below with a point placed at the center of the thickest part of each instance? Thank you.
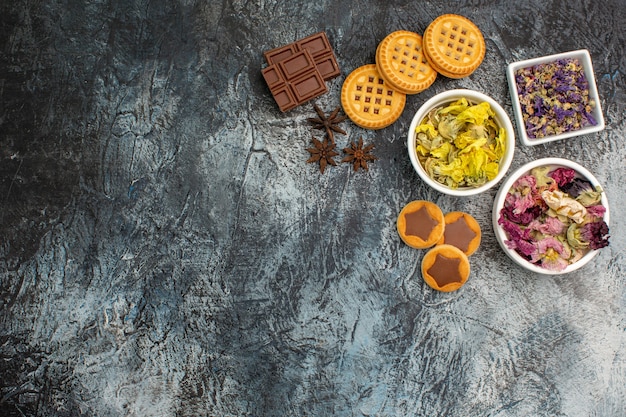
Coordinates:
(552, 254)
(554, 98)
(597, 211)
(460, 144)
(549, 227)
(596, 233)
(583, 191)
(563, 176)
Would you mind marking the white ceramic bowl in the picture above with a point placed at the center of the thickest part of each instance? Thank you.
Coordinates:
(475, 97)
(501, 235)
(584, 59)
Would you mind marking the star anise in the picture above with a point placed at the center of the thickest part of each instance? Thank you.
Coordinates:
(323, 152)
(359, 155)
(329, 123)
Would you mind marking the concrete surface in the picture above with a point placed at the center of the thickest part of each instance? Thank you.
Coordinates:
(166, 251)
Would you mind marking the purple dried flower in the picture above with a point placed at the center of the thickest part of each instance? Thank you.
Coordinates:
(562, 88)
(590, 118)
(562, 82)
(596, 233)
(577, 186)
(522, 218)
(560, 114)
(538, 106)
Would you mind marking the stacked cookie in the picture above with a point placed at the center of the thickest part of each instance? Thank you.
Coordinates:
(401, 62)
(454, 46)
(453, 237)
(373, 96)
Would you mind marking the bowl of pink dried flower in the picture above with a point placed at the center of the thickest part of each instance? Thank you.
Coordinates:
(551, 216)
(555, 97)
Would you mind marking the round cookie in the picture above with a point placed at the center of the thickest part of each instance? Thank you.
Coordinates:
(453, 45)
(420, 224)
(445, 268)
(461, 231)
(401, 62)
(368, 101)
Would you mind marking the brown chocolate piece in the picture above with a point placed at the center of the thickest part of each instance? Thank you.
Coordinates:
(308, 86)
(272, 76)
(289, 65)
(459, 234)
(327, 66)
(294, 80)
(317, 44)
(445, 270)
(284, 98)
(296, 65)
(274, 56)
(420, 223)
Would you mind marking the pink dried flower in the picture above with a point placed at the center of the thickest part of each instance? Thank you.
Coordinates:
(563, 176)
(536, 233)
(550, 226)
(552, 254)
(596, 211)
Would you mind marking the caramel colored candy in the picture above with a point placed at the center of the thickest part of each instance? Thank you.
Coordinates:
(445, 268)
(420, 224)
(462, 231)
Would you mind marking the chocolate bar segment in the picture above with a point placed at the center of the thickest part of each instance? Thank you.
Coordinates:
(317, 44)
(273, 77)
(319, 47)
(274, 56)
(327, 66)
(297, 64)
(308, 86)
(284, 98)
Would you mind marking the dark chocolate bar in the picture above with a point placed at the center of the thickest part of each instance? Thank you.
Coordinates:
(295, 69)
(294, 80)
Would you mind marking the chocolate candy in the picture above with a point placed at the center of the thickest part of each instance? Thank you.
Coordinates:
(297, 71)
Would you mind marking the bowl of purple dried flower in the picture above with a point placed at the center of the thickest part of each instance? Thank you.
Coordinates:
(551, 216)
(555, 97)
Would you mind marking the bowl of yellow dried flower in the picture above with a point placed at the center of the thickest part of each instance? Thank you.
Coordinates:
(461, 142)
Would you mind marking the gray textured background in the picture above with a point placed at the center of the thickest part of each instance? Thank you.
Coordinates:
(166, 251)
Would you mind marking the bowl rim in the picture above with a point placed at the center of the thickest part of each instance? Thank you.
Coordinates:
(585, 60)
(498, 203)
(502, 118)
